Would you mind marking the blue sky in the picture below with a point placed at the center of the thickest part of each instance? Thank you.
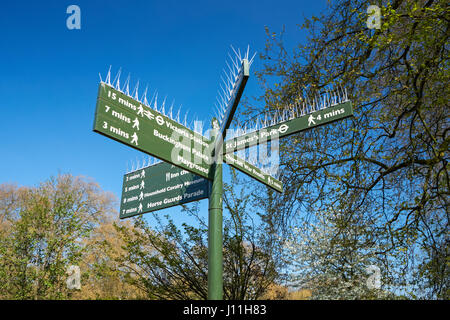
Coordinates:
(49, 74)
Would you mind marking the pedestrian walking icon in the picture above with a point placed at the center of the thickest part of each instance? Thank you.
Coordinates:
(311, 120)
(140, 207)
(136, 124)
(142, 186)
(140, 111)
(134, 139)
(148, 114)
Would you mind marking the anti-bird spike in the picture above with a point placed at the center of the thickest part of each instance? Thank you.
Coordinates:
(171, 109)
(178, 114)
(108, 76)
(185, 118)
(117, 79)
(237, 55)
(152, 99)
(230, 81)
(234, 66)
(143, 162)
(225, 83)
(163, 111)
(126, 89)
(251, 60)
(144, 96)
(338, 96)
(224, 93)
(343, 95)
(327, 98)
(299, 108)
(265, 119)
(155, 104)
(136, 91)
(287, 113)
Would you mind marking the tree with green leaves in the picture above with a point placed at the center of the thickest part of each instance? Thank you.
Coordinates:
(42, 233)
(389, 163)
(170, 262)
(333, 257)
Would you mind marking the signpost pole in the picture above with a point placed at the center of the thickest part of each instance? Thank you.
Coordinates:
(215, 221)
(124, 119)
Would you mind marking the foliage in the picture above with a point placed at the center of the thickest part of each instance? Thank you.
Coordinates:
(102, 277)
(388, 164)
(333, 261)
(168, 262)
(69, 221)
(42, 232)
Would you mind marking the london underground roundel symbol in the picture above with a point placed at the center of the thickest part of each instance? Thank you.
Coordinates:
(283, 128)
(160, 120)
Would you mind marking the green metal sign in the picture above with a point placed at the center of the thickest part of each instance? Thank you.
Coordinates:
(130, 122)
(289, 127)
(235, 97)
(159, 186)
(188, 156)
(252, 171)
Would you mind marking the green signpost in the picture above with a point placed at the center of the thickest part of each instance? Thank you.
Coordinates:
(288, 127)
(192, 167)
(215, 217)
(128, 121)
(234, 99)
(253, 171)
(159, 186)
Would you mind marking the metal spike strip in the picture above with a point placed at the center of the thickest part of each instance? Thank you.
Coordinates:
(127, 86)
(305, 106)
(228, 83)
(152, 104)
(138, 166)
(150, 162)
(136, 93)
(108, 76)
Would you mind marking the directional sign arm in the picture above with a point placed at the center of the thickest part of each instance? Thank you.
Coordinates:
(236, 94)
(233, 102)
(286, 128)
(159, 186)
(252, 171)
(128, 121)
